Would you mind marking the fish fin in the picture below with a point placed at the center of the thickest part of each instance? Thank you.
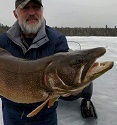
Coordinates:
(51, 101)
(35, 111)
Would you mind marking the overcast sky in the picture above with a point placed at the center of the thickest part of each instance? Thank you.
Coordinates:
(69, 13)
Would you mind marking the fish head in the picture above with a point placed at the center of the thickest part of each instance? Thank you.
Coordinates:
(73, 71)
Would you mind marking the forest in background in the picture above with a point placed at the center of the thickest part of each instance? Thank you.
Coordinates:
(78, 31)
(3, 28)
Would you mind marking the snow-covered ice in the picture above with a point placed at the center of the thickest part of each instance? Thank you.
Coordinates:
(105, 87)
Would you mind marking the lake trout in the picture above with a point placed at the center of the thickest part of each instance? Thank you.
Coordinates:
(48, 78)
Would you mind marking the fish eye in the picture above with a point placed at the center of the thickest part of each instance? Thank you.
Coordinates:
(76, 60)
(79, 60)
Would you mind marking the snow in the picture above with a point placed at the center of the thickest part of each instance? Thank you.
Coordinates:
(105, 87)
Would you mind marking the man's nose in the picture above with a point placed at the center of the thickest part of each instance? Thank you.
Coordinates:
(31, 11)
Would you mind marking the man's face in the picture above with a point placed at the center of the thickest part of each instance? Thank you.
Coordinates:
(30, 17)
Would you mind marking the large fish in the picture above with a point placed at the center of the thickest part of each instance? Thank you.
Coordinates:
(46, 79)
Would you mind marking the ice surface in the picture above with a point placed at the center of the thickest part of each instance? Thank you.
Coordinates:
(105, 87)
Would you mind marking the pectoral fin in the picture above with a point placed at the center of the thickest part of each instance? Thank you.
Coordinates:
(35, 111)
(51, 101)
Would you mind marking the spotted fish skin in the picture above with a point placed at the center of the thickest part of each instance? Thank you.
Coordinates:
(62, 74)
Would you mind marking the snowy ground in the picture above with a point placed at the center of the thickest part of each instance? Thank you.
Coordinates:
(105, 87)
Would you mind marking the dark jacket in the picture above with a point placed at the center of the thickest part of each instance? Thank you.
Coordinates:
(47, 42)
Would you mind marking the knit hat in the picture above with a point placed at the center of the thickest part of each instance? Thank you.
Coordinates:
(22, 3)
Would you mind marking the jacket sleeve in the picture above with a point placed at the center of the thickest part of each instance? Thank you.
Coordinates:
(3, 39)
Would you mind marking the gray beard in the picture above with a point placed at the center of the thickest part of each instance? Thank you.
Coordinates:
(30, 29)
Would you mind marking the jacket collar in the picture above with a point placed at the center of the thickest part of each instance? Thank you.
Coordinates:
(14, 33)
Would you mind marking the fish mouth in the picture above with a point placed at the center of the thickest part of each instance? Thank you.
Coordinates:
(93, 69)
(97, 69)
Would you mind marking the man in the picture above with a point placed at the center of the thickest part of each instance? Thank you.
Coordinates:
(30, 38)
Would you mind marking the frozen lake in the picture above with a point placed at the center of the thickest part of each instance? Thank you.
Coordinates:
(104, 92)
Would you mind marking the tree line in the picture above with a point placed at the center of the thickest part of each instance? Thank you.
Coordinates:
(77, 31)
(3, 28)
(88, 31)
